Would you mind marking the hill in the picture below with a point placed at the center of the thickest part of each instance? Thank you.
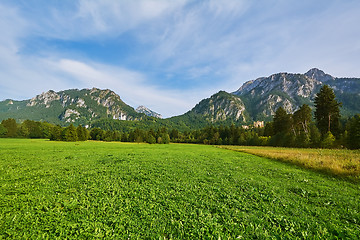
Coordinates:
(255, 100)
(70, 106)
(264, 95)
(221, 107)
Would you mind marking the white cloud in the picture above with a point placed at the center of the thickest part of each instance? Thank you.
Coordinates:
(198, 34)
(102, 18)
(212, 44)
(130, 85)
(24, 76)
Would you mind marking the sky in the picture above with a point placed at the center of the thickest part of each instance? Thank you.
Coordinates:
(170, 54)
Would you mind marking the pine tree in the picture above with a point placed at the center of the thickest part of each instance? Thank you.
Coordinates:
(315, 136)
(96, 134)
(327, 113)
(302, 119)
(3, 131)
(282, 121)
(11, 127)
(82, 133)
(353, 129)
(56, 133)
(33, 129)
(70, 134)
(282, 129)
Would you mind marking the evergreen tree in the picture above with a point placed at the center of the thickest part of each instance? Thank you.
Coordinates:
(269, 129)
(117, 136)
(315, 136)
(353, 129)
(302, 119)
(96, 134)
(3, 131)
(11, 127)
(124, 137)
(301, 122)
(302, 140)
(138, 135)
(109, 136)
(46, 129)
(165, 138)
(174, 135)
(282, 126)
(32, 129)
(23, 131)
(327, 112)
(282, 121)
(82, 133)
(70, 134)
(150, 138)
(56, 133)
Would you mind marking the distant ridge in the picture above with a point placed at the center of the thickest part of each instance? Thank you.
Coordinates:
(70, 106)
(288, 90)
(255, 100)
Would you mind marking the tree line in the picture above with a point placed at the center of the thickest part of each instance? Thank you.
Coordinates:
(327, 131)
(299, 129)
(302, 128)
(34, 129)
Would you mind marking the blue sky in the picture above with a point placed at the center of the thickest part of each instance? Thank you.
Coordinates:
(168, 55)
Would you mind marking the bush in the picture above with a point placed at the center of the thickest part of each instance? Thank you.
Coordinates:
(328, 140)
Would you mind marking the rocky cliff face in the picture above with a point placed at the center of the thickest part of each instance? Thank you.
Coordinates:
(255, 100)
(264, 95)
(319, 75)
(147, 112)
(222, 106)
(44, 99)
(73, 106)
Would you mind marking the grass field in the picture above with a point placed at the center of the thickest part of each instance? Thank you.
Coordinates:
(58, 190)
(339, 162)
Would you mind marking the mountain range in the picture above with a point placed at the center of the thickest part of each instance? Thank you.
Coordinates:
(255, 100)
(70, 106)
(264, 95)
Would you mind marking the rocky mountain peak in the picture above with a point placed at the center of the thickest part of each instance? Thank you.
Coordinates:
(147, 112)
(72, 106)
(289, 90)
(319, 75)
(44, 98)
(221, 107)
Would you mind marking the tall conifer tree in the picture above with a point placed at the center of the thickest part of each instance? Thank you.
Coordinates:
(11, 126)
(327, 112)
(282, 121)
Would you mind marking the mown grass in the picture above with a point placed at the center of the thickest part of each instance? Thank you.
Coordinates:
(97, 190)
(340, 162)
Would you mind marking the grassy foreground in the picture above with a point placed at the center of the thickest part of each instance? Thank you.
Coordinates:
(339, 162)
(58, 190)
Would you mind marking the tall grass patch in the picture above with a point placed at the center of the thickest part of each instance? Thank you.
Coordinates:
(339, 162)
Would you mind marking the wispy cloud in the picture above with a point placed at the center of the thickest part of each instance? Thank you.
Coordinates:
(100, 19)
(131, 85)
(163, 53)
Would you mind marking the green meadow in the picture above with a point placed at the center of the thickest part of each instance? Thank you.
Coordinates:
(108, 190)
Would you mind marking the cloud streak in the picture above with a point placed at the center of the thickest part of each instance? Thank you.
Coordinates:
(168, 55)
(130, 85)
